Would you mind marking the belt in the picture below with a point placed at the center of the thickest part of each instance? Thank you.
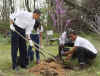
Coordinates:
(18, 28)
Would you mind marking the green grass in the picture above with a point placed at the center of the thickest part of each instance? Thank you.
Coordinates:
(5, 59)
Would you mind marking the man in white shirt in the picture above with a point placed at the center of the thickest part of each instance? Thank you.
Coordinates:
(23, 22)
(64, 43)
(83, 50)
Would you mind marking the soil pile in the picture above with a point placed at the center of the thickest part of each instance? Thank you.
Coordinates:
(48, 69)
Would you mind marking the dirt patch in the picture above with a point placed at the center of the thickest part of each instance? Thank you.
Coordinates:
(48, 69)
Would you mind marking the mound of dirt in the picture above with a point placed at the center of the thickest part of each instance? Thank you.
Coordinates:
(48, 69)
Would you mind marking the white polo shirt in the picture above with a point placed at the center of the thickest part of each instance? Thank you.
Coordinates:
(39, 30)
(62, 38)
(82, 42)
(24, 20)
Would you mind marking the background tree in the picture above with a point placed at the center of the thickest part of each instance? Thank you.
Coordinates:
(86, 13)
(27, 5)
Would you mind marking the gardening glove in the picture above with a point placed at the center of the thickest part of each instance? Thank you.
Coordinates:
(12, 27)
(62, 52)
(31, 42)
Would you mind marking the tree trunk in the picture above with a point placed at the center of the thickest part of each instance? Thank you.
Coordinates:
(27, 5)
(34, 4)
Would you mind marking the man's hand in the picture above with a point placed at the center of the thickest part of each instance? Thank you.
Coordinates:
(31, 43)
(71, 51)
(68, 56)
(28, 37)
(11, 22)
(29, 40)
(12, 27)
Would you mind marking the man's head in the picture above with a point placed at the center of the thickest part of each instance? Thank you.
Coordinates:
(73, 35)
(36, 14)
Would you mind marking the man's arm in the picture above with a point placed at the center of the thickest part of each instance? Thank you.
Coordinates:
(11, 25)
(71, 51)
(12, 16)
(28, 31)
(11, 22)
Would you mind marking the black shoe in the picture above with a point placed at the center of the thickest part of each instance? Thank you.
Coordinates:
(24, 67)
(83, 66)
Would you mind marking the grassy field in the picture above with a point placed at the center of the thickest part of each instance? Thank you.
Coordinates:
(5, 59)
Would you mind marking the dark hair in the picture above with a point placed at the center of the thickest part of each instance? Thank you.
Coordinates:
(37, 11)
(37, 24)
(73, 32)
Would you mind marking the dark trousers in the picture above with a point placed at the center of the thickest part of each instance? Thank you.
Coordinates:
(84, 55)
(18, 43)
(36, 39)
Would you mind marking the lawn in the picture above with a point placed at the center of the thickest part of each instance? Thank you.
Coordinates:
(5, 59)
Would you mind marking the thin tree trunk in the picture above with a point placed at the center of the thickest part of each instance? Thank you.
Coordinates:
(34, 4)
(27, 5)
